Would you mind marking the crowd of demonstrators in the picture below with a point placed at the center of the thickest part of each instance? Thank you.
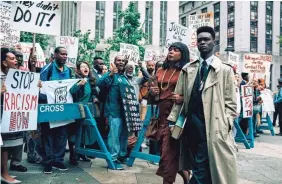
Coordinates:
(207, 90)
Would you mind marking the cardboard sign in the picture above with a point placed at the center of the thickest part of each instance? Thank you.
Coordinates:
(25, 49)
(233, 59)
(113, 54)
(37, 16)
(20, 102)
(130, 52)
(130, 108)
(257, 65)
(9, 37)
(176, 33)
(196, 21)
(71, 44)
(152, 55)
(247, 100)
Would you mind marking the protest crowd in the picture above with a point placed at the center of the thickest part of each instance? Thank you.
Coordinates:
(188, 108)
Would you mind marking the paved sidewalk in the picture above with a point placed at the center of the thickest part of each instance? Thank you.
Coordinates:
(260, 165)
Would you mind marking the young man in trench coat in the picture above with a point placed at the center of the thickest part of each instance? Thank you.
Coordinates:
(206, 88)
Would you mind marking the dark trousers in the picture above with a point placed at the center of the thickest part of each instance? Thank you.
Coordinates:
(54, 141)
(275, 114)
(280, 116)
(154, 148)
(200, 165)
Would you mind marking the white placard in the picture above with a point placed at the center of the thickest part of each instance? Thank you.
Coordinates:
(71, 44)
(247, 100)
(130, 52)
(176, 33)
(196, 21)
(9, 37)
(20, 102)
(257, 65)
(152, 54)
(37, 16)
(233, 59)
(25, 49)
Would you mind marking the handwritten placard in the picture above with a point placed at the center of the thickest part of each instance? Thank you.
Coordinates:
(9, 37)
(257, 65)
(37, 16)
(247, 100)
(25, 50)
(71, 44)
(196, 21)
(130, 52)
(176, 33)
(152, 54)
(20, 102)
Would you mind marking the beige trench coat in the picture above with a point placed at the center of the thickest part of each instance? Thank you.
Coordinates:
(219, 101)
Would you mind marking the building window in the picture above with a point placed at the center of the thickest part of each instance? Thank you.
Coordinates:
(193, 4)
(163, 22)
(117, 18)
(183, 21)
(254, 26)
(100, 19)
(193, 13)
(216, 8)
(268, 26)
(204, 10)
(230, 23)
(149, 22)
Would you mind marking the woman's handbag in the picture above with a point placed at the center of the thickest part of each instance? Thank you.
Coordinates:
(152, 131)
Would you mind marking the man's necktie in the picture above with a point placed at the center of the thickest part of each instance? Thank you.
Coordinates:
(204, 70)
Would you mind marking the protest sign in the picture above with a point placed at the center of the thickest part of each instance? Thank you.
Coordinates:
(71, 44)
(176, 33)
(247, 100)
(20, 102)
(196, 21)
(152, 54)
(257, 65)
(130, 52)
(9, 37)
(130, 108)
(113, 54)
(233, 59)
(37, 16)
(58, 92)
(25, 49)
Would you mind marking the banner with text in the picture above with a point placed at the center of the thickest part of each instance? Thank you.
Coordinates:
(130, 52)
(247, 101)
(196, 21)
(37, 16)
(176, 33)
(25, 49)
(9, 37)
(20, 102)
(71, 44)
(257, 65)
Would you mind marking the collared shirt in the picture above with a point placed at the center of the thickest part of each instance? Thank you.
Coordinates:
(208, 60)
(56, 74)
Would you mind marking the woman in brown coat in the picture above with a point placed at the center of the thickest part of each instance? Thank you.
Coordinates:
(167, 78)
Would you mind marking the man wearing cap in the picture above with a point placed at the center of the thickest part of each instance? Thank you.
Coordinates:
(208, 88)
(278, 101)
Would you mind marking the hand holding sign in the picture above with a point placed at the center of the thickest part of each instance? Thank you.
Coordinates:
(82, 82)
(3, 87)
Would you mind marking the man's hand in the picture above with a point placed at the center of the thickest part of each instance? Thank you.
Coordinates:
(113, 69)
(140, 64)
(178, 99)
(154, 91)
(39, 84)
(3, 88)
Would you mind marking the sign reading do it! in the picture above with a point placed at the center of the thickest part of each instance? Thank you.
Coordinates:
(37, 16)
(20, 102)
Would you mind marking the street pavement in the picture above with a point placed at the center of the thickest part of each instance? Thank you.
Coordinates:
(260, 165)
